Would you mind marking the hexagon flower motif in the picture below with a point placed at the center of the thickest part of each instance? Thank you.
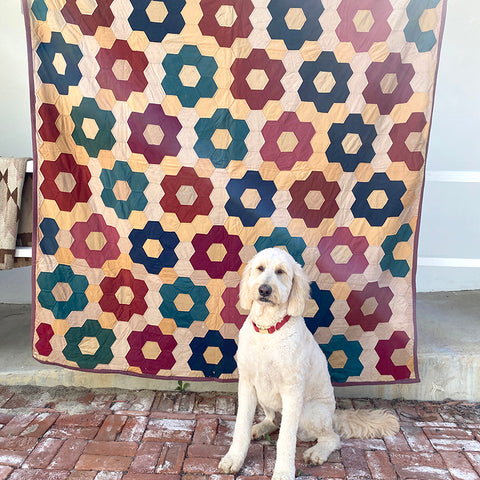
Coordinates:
(226, 20)
(123, 295)
(295, 22)
(93, 127)
(151, 350)
(154, 134)
(257, 79)
(369, 307)
(157, 19)
(88, 16)
(59, 63)
(213, 355)
(250, 198)
(388, 83)
(184, 302)
(121, 69)
(408, 142)
(364, 23)
(398, 267)
(324, 81)
(216, 252)
(62, 291)
(65, 181)
(343, 358)
(186, 194)
(89, 344)
(153, 247)
(351, 143)
(40, 10)
(419, 28)
(385, 350)
(189, 75)
(49, 229)
(313, 199)
(45, 334)
(342, 254)
(221, 138)
(49, 114)
(323, 317)
(95, 241)
(230, 312)
(280, 237)
(378, 199)
(287, 141)
(123, 189)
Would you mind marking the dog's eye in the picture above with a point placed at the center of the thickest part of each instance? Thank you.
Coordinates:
(260, 268)
(279, 271)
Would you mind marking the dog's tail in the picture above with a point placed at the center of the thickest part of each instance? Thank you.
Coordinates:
(365, 423)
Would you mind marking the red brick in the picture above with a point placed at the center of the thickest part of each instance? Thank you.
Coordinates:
(355, 463)
(171, 458)
(206, 450)
(224, 432)
(23, 474)
(111, 427)
(68, 454)
(40, 425)
(380, 466)
(205, 403)
(82, 475)
(326, 470)
(114, 463)
(17, 424)
(169, 430)
(18, 443)
(147, 457)
(458, 466)
(431, 459)
(218, 476)
(202, 465)
(87, 433)
(164, 402)
(226, 405)
(150, 476)
(456, 445)
(12, 458)
(419, 472)
(134, 429)
(417, 440)
(123, 449)
(448, 433)
(43, 453)
(105, 475)
(474, 459)
(81, 420)
(5, 472)
(253, 464)
(5, 418)
(205, 430)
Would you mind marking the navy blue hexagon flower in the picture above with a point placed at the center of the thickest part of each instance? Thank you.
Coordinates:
(250, 198)
(59, 63)
(324, 81)
(295, 22)
(378, 199)
(49, 228)
(213, 355)
(153, 247)
(351, 143)
(398, 267)
(221, 138)
(280, 237)
(323, 316)
(184, 301)
(157, 19)
(424, 40)
(123, 189)
(189, 75)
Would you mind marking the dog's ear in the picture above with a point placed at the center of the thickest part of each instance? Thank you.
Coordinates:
(245, 300)
(300, 292)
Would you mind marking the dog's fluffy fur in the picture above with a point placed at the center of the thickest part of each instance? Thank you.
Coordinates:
(287, 372)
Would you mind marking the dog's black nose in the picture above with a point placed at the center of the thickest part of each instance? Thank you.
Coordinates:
(264, 290)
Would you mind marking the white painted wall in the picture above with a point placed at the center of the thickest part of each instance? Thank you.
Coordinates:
(449, 247)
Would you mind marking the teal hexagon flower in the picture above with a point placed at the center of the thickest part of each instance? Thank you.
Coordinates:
(63, 274)
(397, 267)
(280, 237)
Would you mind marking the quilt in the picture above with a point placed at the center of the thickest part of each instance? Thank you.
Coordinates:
(176, 138)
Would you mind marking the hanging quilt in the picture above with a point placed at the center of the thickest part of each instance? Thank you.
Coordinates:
(174, 139)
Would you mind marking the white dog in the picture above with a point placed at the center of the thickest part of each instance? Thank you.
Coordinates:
(283, 369)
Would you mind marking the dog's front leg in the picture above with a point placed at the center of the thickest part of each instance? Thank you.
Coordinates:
(247, 402)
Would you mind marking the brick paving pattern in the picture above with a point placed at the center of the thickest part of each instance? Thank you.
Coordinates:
(79, 434)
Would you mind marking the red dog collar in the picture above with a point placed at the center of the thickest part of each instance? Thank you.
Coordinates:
(273, 328)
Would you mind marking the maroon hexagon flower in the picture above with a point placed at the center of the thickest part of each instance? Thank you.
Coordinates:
(385, 349)
(186, 194)
(400, 150)
(49, 114)
(287, 140)
(65, 181)
(369, 307)
(313, 199)
(123, 295)
(151, 350)
(226, 20)
(388, 83)
(88, 21)
(154, 134)
(257, 79)
(45, 334)
(342, 254)
(230, 313)
(95, 241)
(121, 69)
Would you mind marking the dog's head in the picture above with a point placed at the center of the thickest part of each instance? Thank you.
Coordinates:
(273, 277)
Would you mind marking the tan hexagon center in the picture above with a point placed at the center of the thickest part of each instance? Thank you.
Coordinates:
(337, 359)
(122, 70)
(189, 76)
(90, 128)
(287, 141)
(151, 350)
(250, 198)
(415, 142)
(156, 11)
(314, 200)
(363, 21)
(124, 295)
(216, 252)
(96, 241)
(401, 356)
(122, 190)
(369, 306)
(153, 134)
(65, 182)
(152, 247)
(295, 18)
(62, 291)
(59, 63)
(377, 199)
(226, 16)
(213, 355)
(389, 83)
(402, 251)
(183, 302)
(186, 195)
(221, 139)
(89, 345)
(341, 254)
(351, 143)
(428, 20)
(324, 82)
(257, 79)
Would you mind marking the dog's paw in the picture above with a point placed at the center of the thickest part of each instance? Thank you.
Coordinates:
(283, 475)
(315, 456)
(230, 464)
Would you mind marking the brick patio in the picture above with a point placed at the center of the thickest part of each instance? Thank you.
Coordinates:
(78, 434)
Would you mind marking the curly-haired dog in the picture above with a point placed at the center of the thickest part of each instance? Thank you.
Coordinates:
(283, 369)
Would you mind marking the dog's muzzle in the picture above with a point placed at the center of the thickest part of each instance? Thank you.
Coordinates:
(265, 291)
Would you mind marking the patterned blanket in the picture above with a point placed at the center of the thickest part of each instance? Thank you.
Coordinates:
(176, 138)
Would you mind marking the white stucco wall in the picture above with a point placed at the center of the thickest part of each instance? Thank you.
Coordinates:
(449, 247)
